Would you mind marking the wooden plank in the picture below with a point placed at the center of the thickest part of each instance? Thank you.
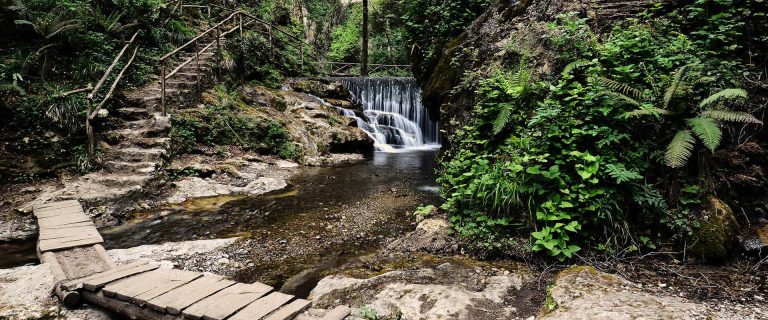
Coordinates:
(182, 297)
(290, 310)
(104, 256)
(96, 281)
(127, 288)
(55, 204)
(70, 216)
(58, 212)
(262, 307)
(126, 309)
(49, 234)
(62, 220)
(153, 284)
(72, 225)
(226, 302)
(51, 246)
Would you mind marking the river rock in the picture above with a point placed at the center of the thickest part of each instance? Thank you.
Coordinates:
(431, 235)
(715, 238)
(332, 90)
(448, 291)
(195, 187)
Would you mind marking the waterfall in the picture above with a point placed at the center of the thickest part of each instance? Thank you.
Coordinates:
(394, 116)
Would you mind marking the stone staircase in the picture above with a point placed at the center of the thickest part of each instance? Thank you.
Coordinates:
(137, 148)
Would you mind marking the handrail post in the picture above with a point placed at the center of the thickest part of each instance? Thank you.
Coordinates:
(162, 87)
(218, 54)
(271, 47)
(302, 54)
(91, 148)
(197, 70)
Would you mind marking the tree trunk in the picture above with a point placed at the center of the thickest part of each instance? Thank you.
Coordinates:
(364, 60)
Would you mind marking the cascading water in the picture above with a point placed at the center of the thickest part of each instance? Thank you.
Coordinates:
(395, 117)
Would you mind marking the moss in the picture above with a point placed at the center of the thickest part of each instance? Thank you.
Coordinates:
(445, 75)
(715, 238)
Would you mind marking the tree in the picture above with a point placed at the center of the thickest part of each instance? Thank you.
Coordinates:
(690, 121)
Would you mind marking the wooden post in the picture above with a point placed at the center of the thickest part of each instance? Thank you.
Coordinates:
(68, 298)
(218, 54)
(91, 148)
(197, 70)
(162, 87)
(364, 59)
(271, 47)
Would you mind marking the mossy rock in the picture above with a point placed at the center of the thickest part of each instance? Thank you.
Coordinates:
(715, 238)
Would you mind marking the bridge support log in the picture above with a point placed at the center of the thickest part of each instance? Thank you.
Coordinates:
(70, 299)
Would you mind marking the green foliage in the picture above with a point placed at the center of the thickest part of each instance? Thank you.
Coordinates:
(569, 164)
(689, 119)
(425, 211)
(346, 38)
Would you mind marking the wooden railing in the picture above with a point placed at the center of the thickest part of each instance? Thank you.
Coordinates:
(92, 91)
(237, 19)
(346, 68)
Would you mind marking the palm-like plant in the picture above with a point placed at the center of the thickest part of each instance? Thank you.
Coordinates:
(49, 26)
(700, 120)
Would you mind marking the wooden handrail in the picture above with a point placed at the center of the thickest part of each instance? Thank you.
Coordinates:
(92, 112)
(165, 57)
(111, 66)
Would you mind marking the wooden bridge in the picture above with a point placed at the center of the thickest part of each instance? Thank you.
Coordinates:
(83, 271)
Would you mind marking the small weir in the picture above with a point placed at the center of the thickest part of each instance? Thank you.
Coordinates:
(392, 114)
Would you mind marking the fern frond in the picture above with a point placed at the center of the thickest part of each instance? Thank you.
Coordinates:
(730, 116)
(707, 130)
(679, 149)
(726, 95)
(645, 111)
(12, 87)
(502, 119)
(620, 87)
(621, 97)
(575, 65)
(677, 83)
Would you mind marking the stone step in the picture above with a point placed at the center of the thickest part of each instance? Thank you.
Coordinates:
(149, 142)
(129, 113)
(135, 167)
(138, 154)
(118, 179)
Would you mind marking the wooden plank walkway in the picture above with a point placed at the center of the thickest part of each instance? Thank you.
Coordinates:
(141, 290)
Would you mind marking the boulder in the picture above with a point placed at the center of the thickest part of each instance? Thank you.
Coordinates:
(755, 240)
(585, 293)
(715, 238)
(327, 90)
(448, 291)
(431, 235)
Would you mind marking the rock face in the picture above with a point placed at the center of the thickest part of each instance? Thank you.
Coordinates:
(448, 291)
(715, 239)
(585, 293)
(316, 126)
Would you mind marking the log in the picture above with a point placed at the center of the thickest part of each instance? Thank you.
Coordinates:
(70, 299)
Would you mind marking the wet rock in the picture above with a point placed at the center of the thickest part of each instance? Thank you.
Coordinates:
(332, 90)
(169, 251)
(447, 291)
(714, 240)
(196, 187)
(431, 236)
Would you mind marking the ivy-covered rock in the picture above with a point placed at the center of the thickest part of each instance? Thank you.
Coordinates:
(715, 239)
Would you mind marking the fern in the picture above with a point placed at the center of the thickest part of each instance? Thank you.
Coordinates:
(679, 149)
(707, 131)
(575, 65)
(645, 111)
(621, 97)
(619, 87)
(677, 83)
(503, 118)
(725, 94)
(730, 116)
(12, 87)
